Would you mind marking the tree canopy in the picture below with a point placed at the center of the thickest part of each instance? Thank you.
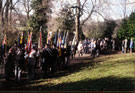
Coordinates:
(39, 18)
(127, 29)
(66, 21)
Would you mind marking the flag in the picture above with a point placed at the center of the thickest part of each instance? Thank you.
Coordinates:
(49, 37)
(40, 40)
(29, 43)
(65, 45)
(4, 44)
(21, 39)
(59, 43)
(59, 40)
(63, 39)
(55, 38)
(66, 36)
(73, 42)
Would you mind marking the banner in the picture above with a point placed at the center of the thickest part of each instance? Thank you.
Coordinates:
(49, 36)
(55, 38)
(29, 43)
(40, 40)
(21, 39)
(59, 40)
(4, 43)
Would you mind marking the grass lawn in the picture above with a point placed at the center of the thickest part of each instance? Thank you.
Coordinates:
(105, 73)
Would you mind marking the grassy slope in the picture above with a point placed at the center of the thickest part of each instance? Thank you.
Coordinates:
(105, 73)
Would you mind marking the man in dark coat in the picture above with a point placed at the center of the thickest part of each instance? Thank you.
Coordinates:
(19, 63)
(50, 56)
(9, 65)
(68, 53)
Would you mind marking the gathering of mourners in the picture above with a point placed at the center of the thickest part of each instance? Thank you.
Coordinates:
(54, 55)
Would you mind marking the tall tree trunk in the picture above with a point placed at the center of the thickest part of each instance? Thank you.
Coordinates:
(0, 6)
(28, 12)
(28, 15)
(10, 19)
(6, 16)
(7, 10)
(77, 27)
(0, 21)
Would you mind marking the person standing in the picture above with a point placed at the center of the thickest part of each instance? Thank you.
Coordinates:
(125, 45)
(131, 45)
(32, 63)
(80, 48)
(9, 65)
(86, 46)
(93, 47)
(97, 47)
(68, 53)
(17, 71)
(113, 44)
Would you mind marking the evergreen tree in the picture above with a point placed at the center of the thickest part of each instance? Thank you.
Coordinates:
(66, 22)
(39, 18)
(127, 29)
(110, 26)
(131, 25)
(123, 31)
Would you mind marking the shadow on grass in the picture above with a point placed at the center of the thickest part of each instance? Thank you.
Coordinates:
(13, 85)
(101, 84)
(110, 52)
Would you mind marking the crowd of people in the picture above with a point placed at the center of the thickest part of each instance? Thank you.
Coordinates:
(53, 58)
(94, 47)
(48, 59)
(100, 46)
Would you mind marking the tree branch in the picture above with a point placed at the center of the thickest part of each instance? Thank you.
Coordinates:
(100, 15)
(92, 10)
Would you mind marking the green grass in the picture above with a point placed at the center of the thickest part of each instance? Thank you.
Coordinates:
(105, 73)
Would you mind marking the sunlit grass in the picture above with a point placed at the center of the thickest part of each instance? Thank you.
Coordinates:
(114, 68)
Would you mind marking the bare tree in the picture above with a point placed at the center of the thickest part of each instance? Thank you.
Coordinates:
(6, 8)
(88, 7)
(27, 8)
(126, 7)
(124, 10)
(11, 8)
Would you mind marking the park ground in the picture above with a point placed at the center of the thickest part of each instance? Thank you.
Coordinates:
(111, 72)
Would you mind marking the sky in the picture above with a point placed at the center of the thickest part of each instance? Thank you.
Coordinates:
(114, 10)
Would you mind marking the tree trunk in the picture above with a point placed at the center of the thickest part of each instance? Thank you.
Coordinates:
(11, 3)
(7, 11)
(77, 20)
(0, 21)
(6, 16)
(0, 6)
(28, 15)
